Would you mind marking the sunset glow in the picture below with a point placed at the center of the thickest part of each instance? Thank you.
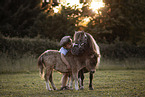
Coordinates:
(84, 21)
(95, 5)
(75, 4)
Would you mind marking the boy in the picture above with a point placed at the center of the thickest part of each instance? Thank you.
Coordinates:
(66, 43)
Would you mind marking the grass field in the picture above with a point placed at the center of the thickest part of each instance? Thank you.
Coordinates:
(117, 78)
(116, 83)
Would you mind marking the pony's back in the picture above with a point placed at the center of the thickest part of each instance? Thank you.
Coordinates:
(51, 59)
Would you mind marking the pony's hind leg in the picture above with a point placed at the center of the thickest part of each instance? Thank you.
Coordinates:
(91, 79)
(51, 81)
(47, 86)
(47, 76)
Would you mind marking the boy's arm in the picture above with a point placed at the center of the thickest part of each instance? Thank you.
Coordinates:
(64, 59)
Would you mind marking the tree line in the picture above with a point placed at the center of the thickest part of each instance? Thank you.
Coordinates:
(119, 20)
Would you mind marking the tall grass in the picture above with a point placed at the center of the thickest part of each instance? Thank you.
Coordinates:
(117, 64)
(25, 63)
(28, 63)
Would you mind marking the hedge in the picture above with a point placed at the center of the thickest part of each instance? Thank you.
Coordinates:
(20, 47)
(122, 50)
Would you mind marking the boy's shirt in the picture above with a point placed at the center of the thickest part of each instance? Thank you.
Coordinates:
(63, 50)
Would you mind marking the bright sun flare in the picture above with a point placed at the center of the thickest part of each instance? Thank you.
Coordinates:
(94, 5)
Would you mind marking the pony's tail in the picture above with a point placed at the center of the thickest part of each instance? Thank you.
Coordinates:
(41, 67)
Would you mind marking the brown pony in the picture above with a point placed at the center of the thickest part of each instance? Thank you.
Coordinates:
(51, 59)
(78, 37)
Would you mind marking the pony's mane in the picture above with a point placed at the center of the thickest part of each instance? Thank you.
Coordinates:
(93, 44)
(95, 47)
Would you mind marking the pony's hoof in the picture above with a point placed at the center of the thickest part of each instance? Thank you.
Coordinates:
(49, 90)
(77, 89)
(91, 88)
(64, 88)
(81, 88)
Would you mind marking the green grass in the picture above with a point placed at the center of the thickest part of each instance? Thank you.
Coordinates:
(116, 64)
(124, 78)
(116, 83)
(13, 64)
(28, 63)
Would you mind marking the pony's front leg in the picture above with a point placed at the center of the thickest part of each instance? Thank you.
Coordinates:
(81, 79)
(71, 82)
(75, 76)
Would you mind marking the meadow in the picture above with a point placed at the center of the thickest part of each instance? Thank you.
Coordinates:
(117, 78)
(116, 83)
(121, 72)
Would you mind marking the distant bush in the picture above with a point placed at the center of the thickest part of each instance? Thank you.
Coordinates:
(122, 51)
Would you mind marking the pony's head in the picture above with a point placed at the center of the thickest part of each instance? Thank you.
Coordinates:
(81, 37)
(80, 45)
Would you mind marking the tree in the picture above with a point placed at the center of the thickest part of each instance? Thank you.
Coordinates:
(56, 25)
(17, 16)
(123, 20)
